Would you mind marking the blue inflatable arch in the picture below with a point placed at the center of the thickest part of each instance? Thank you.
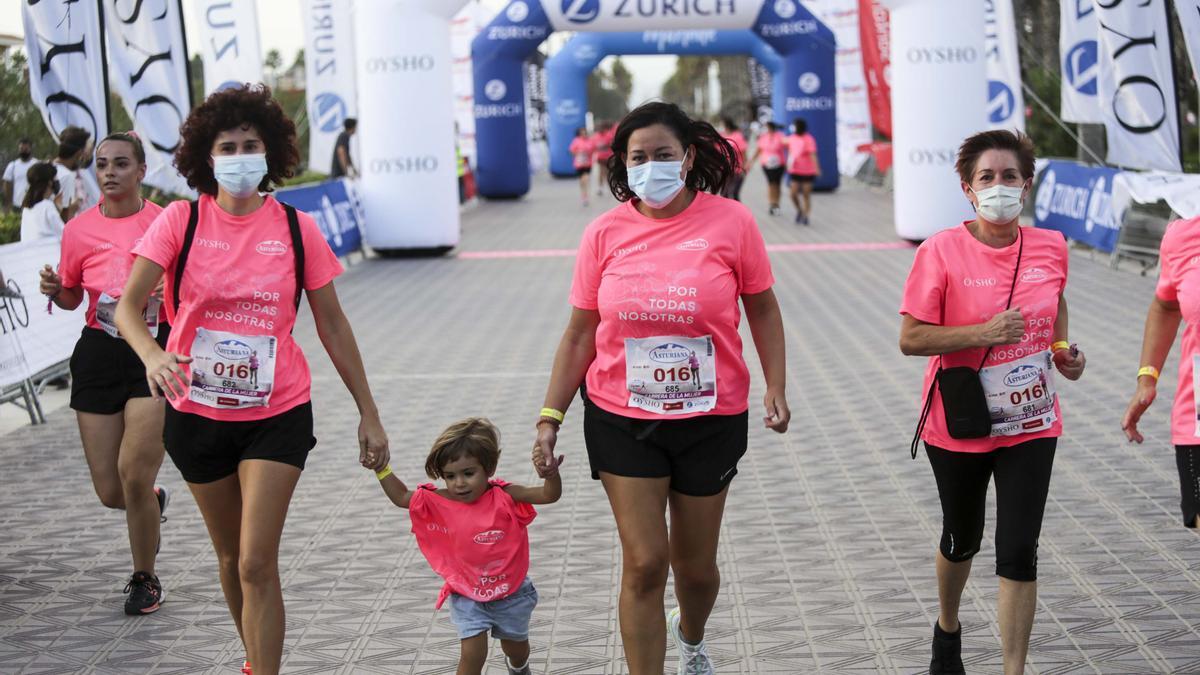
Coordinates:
(567, 73)
(806, 87)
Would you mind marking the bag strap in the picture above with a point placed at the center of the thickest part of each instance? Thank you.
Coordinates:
(916, 441)
(297, 249)
(1012, 289)
(193, 220)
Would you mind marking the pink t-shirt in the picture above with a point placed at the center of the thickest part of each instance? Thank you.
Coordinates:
(480, 549)
(771, 146)
(240, 277)
(602, 142)
(97, 253)
(800, 154)
(679, 276)
(581, 152)
(1178, 281)
(957, 280)
(739, 145)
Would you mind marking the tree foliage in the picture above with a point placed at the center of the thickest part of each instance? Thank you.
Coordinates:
(609, 90)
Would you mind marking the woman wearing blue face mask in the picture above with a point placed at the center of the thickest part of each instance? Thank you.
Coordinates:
(991, 411)
(653, 337)
(239, 425)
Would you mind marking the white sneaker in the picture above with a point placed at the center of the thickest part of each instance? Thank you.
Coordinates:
(693, 659)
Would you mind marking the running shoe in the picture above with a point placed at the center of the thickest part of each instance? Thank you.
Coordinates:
(947, 652)
(799, 218)
(773, 210)
(145, 594)
(523, 670)
(246, 668)
(693, 659)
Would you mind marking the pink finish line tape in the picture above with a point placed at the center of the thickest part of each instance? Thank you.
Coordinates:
(775, 248)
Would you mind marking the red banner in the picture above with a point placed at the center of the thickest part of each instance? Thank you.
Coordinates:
(876, 53)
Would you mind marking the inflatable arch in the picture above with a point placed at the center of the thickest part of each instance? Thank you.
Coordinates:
(567, 73)
(805, 46)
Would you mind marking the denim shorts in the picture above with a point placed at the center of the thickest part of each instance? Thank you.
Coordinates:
(507, 618)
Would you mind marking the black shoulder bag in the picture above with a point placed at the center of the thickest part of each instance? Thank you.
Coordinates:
(963, 399)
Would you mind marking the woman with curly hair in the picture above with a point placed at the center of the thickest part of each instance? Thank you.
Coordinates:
(657, 281)
(236, 263)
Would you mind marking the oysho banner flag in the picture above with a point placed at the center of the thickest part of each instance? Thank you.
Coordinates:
(853, 114)
(1137, 85)
(329, 66)
(876, 57)
(1006, 101)
(1079, 59)
(1189, 20)
(147, 52)
(68, 79)
(229, 43)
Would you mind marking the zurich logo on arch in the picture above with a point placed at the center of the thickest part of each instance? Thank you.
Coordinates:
(786, 9)
(580, 11)
(330, 112)
(809, 83)
(517, 12)
(1001, 102)
(495, 90)
(1081, 67)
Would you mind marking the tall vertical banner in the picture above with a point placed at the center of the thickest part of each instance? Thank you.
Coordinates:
(1189, 19)
(1006, 101)
(1137, 85)
(853, 113)
(228, 43)
(147, 53)
(68, 77)
(329, 67)
(937, 56)
(1079, 58)
(875, 40)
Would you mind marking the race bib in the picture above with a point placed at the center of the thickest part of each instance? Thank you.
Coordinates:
(231, 370)
(671, 375)
(773, 161)
(1020, 395)
(582, 158)
(106, 314)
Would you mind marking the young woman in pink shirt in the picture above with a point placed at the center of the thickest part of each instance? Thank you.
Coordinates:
(474, 534)
(658, 278)
(731, 133)
(771, 146)
(602, 146)
(985, 302)
(581, 149)
(120, 425)
(236, 263)
(803, 168)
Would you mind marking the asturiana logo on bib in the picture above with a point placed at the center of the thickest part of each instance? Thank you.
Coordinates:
(670, 353)
(693, 245)
(271, 247)
(233, 349)
(1022, 375)
(1034, 275)
(490, 537)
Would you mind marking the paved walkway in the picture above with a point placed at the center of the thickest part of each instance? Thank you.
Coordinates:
(828, 543)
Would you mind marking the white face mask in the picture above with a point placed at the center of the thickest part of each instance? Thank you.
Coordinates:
(240, 175)
(656, 183)
(999, 204)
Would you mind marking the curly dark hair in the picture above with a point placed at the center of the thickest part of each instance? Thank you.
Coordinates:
(250, 105)
(997, 139)
(715, 157)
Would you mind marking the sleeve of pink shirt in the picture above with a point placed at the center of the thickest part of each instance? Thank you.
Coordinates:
(753, 265)
(1166, 290)
(321, 265)
(925, 289)
(70, 263)
(162, 241)
(585, 286)
(521, 512)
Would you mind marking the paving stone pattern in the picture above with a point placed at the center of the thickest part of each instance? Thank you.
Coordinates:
(827, 548)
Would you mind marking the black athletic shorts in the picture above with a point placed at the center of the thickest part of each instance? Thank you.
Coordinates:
(207, 450)
(582, 171)
(106, 372)
(774, 176)
(699, 454)
(801, 177)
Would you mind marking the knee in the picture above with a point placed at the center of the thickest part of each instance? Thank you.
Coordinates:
(257, 570)
(697, 574)
(1017, 562)
(111, 495)
(645, 572)
(960, 546)
(135, 479)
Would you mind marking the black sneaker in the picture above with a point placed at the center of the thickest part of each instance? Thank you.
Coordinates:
(145, 594)
(947, 652)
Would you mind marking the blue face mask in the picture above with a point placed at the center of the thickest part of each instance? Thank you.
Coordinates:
(656, 183)
(240, 175)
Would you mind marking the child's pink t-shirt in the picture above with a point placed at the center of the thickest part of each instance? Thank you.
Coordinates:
(97, 253)
(800, 155)
(771, 147)
(675, 277)
(1179, 281)
(480, 549)
(581, 152)
(957, 280)
(240, 277)
(739, 145)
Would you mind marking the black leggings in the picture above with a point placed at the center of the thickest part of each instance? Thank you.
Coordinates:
(1187, 458)
(1022, 475)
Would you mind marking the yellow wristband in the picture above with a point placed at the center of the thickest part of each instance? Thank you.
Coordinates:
(1061, 344)
(553, 414)
(387, 471)
(1148, 370)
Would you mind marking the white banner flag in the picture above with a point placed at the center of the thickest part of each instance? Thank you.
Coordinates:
(1189, 20)
(1079, 59)
(329, 67)
(67, 81)
(1137, 85)
(30, 339)
(853, 112)
(229, 43)
(147, 53)
(1006, 100)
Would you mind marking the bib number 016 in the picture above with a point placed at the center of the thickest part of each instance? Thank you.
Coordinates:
(681, 374)
(1034, 393)
(239, 371)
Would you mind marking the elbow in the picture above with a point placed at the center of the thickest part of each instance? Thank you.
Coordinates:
(908, 346)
